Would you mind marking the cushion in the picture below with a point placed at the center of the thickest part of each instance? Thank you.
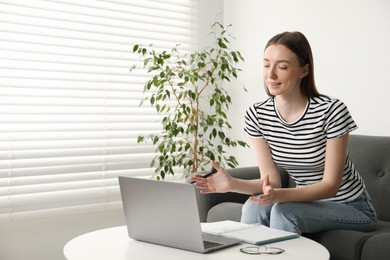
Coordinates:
(225, 211)
(342, 244)
(377, 247)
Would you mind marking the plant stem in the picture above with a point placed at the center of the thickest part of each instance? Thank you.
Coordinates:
(195, 154)
(207, 81)
(169, 80)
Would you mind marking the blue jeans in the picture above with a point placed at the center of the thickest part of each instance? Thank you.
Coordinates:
(311, 217)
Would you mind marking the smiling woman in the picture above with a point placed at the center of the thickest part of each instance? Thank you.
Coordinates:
(69, 109)
(306, 134)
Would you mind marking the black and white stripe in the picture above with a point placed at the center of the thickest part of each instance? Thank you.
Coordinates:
(300, 147)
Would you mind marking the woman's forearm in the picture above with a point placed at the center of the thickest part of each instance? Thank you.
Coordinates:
(311, 192)
(249, 187)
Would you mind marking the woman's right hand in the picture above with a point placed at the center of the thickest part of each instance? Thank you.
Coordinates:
(218, 182)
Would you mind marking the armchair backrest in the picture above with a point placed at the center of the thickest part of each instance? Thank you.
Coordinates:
(371, 157)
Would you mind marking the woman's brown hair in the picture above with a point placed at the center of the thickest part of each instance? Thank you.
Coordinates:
(297, 43)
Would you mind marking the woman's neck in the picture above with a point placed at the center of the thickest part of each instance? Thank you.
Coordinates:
(291, 108)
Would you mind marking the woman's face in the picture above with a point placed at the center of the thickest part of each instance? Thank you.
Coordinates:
(282, 72)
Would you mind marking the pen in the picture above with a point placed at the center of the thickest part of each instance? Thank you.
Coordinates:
(213, 170)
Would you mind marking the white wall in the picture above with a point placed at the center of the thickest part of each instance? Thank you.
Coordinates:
(44, 238)
(350, 40)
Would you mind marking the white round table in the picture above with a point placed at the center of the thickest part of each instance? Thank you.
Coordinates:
(114, 244)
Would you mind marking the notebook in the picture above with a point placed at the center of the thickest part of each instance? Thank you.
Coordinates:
(166, 213)
(250, 233)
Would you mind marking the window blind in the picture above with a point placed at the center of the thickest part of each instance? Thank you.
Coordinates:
(69, 107)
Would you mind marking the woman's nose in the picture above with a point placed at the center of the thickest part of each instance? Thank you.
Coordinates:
(271, 73)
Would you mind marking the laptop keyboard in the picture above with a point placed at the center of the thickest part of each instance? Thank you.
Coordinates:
(210, 244)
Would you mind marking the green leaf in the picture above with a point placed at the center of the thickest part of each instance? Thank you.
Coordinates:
(140, 139)
(235, 58)
(242, 143)
(135, 47)
(201, 65)
(173, 148)
(221, 43)
(228, 99)
(161, 147)
(210, 155)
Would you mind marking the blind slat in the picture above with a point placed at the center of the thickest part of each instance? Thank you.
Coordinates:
(135, 168)
(39, 201)
(82, 179)
(98, 9)
(33, 214)
(13, 14)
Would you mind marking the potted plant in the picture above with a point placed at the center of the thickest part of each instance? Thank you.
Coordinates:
(189, 89)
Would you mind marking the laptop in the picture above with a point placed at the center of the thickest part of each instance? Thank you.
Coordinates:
(166, 213)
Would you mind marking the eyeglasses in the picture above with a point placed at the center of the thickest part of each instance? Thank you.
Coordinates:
(260, 250)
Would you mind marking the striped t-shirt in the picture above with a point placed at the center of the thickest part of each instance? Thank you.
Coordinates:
(299, 147)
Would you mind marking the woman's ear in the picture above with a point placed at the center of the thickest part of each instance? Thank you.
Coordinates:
(305, 71)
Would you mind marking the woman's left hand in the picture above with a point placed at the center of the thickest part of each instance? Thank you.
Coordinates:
(269, 194)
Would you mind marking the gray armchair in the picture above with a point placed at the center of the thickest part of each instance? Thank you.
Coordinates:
(371, 156)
